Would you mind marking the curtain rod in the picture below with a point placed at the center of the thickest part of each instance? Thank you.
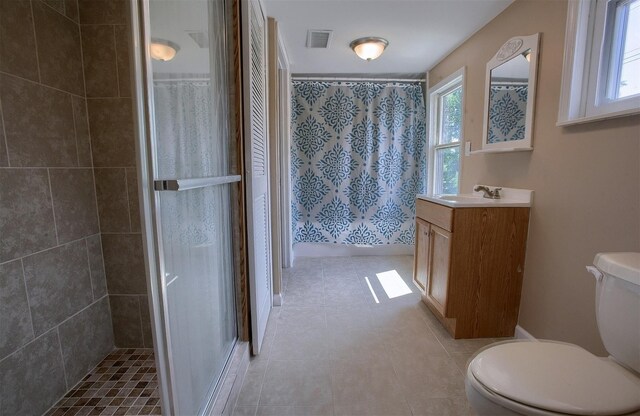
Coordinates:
(357, 79)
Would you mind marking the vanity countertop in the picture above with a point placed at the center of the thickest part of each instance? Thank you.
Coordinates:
(511, 197)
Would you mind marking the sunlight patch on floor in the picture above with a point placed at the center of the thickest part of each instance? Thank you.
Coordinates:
(373, 293)
(393, 284)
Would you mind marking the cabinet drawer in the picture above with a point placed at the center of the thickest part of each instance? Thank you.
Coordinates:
(435, 214)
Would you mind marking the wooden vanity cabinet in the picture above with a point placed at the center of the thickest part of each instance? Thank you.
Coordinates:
(432, 276)
(468, 266)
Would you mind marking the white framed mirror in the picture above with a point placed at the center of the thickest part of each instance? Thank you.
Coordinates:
(510, 96)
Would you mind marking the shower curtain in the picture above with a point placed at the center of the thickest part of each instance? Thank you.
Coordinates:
(357, 161)
(186, 113)
(184, 126)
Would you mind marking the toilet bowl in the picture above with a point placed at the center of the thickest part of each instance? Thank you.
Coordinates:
(555, 378)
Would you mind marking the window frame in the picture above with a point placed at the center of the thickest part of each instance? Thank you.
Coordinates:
(585, 71)
(451, 83)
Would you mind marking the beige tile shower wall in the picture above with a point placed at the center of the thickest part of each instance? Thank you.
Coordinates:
(105, 34)
(55, 319)
(586, 178)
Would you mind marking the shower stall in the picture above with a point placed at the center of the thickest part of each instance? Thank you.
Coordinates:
(184, 92)
(119, 206)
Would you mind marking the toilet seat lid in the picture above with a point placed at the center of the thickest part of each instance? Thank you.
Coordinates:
(557, 377)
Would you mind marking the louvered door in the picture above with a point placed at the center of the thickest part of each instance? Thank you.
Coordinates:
(257, 169)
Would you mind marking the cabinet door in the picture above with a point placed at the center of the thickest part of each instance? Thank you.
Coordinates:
(422, 256)
(438, 276)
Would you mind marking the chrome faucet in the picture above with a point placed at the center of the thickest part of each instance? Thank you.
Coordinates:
(488, 192)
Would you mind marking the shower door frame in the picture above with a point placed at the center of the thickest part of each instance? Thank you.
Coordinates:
(144, 124)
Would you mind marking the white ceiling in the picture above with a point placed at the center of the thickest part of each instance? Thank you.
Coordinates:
(420, 32)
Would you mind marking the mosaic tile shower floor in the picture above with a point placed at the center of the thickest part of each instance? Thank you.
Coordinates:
(124, 383)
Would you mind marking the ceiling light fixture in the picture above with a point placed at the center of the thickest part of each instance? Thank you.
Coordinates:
(163, 50)
(369, 48)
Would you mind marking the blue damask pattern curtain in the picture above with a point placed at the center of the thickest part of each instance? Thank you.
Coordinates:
(357, 161)
(507, 112)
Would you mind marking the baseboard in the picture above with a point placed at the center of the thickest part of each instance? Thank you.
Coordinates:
(345, 250)
(277, 299)
(522, 333)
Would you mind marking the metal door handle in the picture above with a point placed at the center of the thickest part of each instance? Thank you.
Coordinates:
(193, 183)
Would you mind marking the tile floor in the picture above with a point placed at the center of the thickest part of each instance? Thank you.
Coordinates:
(124, 383)
(334, 348)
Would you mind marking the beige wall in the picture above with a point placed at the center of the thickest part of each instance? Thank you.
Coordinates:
(586, 178)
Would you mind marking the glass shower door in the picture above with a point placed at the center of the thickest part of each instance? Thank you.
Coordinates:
(190, 116)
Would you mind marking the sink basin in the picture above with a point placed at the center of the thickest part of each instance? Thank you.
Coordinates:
(461, 198)
(511, 197)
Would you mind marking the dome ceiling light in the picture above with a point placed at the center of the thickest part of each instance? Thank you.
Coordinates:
(369, 48)
(163, 50)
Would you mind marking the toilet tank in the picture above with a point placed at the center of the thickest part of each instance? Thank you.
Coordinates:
(618, 306)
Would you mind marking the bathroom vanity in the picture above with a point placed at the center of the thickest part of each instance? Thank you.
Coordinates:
(469, 260)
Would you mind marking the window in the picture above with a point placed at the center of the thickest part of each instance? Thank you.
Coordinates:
(445, 134)
(601, 74)
(622, 76)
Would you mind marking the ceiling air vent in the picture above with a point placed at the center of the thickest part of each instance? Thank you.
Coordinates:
(200, 38)
(318, 38)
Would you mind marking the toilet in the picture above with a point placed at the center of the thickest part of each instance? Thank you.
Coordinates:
(555, 378)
